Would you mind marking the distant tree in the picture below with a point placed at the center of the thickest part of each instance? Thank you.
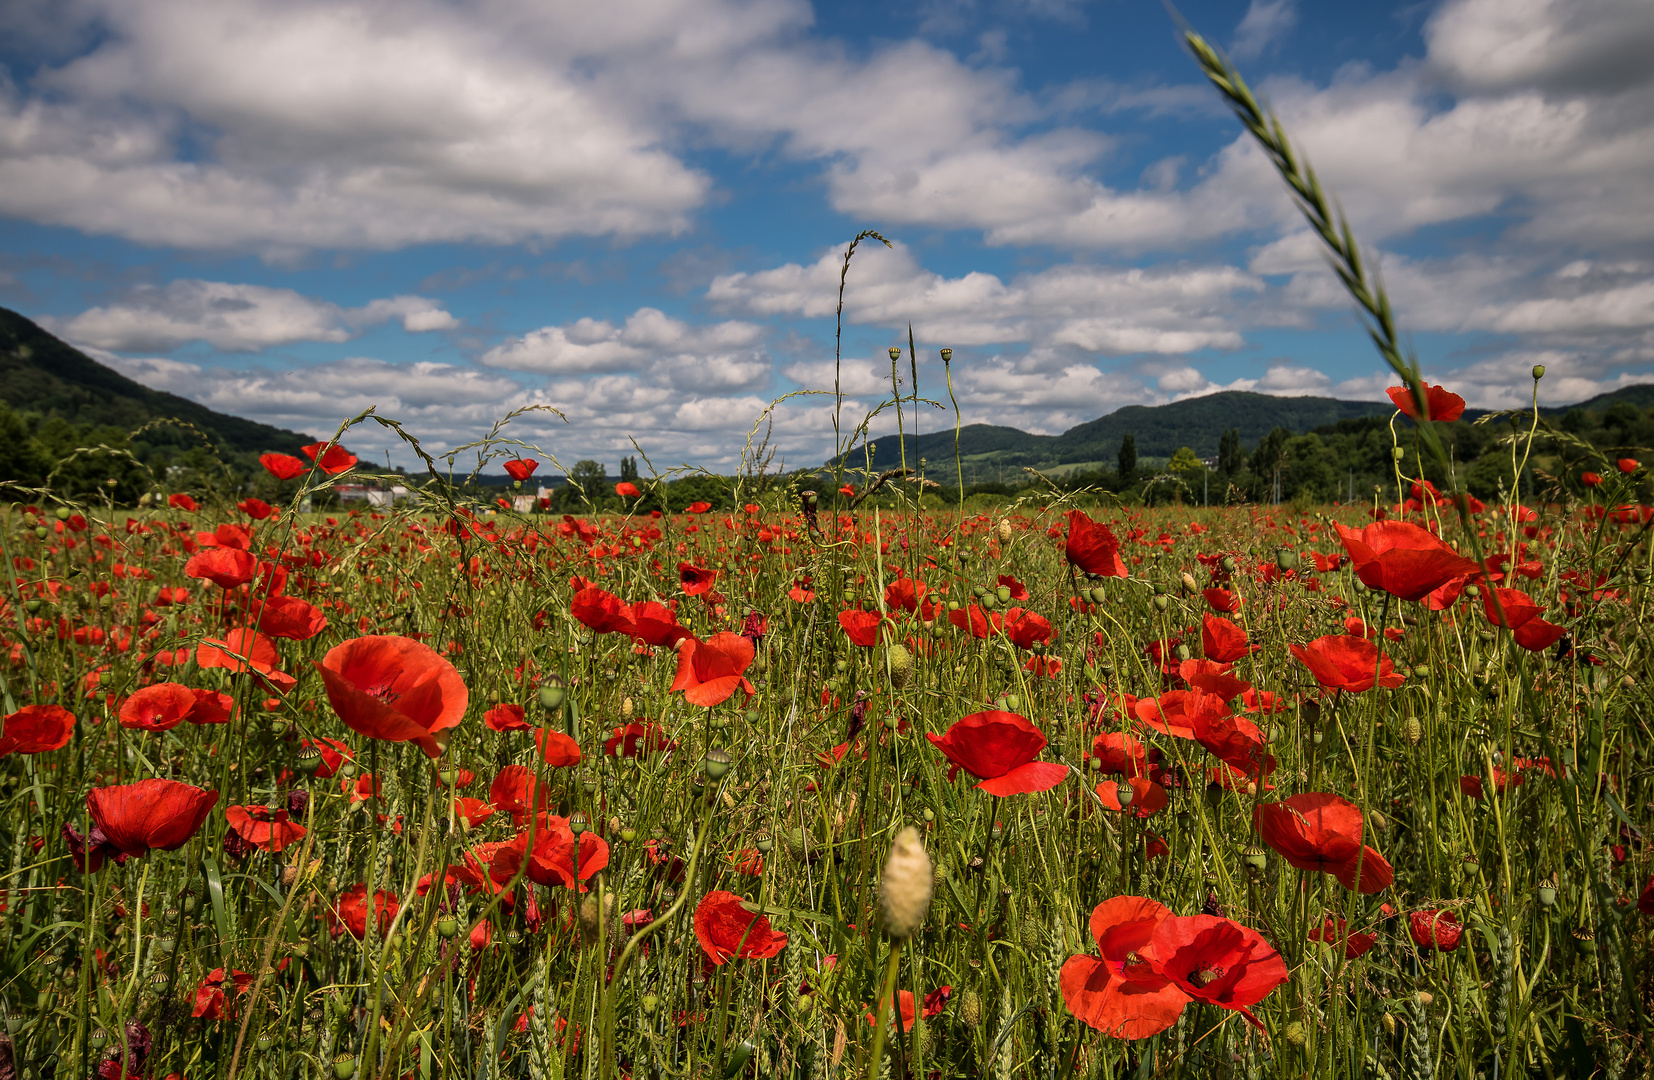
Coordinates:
(585, 482)
(628, 469)
(1128, 459)
(1185, 461)
(1231, 458)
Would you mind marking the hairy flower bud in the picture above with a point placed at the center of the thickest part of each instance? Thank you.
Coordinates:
(905, 886)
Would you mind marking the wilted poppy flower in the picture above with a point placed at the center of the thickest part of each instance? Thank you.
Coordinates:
(266, 829)
(1215, 960)
(394, 688)
(351, 912)
(1321, 831)
(1523, 617)
(244, 650)
(289, 617)
(209, 992)
(1402, 559)
(558, 750)
(1118, 991)
(1341, 662)
(637, 740)
(226, 567)
(1223, 641)
(710, 671)
(600, 610)
(160, 707)
(695, 580)
(626, 490)
(654, 624)
(505, 717)
(36, 729)
(1092, 548)
(520, 469)
(149, 815)
(283, 466)
(861, 627)
(1442, 404)
(335, 460)
(1435, 929)
(1333, 932)
(998, 748)
(727, 931)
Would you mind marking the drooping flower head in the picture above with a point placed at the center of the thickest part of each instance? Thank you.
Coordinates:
(999, 748)
(1322, 832)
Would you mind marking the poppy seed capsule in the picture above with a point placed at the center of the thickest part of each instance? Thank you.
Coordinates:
(901, 665)
(344, 1066)
(552, 693)
(905, 886)
(717, 764)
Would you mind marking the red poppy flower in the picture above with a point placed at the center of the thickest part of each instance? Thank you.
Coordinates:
(209, 992)
(289, 617)
(244, 650)
(1222, 600)
(1522, 616)
(1590, 479)
(557, 749)
(1121, 754)
(149, 815)
(1147, 797)
(1233, 740)
(697, 508)
(800, 594)
(394, 688)
(1019, 591)
(1215, 960)
(351, 912)
(520, 469)
(557, 859)
(710, 671)
(998, 748)
(1321, 831)
(36, 729)
(861, 627)
(334, 754)
(626, 490)
(1435, 929)
(600, 610)
(1645, 902)
(226, 567)
(211, 707)
(1213, 678)
(334, 461)
(265, 829)
(727, 931)
(1092, 548)
(514, 790)
(654, 624)
(1402, 559)
(160, 707)
(1628, 465)
(1223, 641)
(505, 717)
(1442, 404)
(283, 466)
(694, 579)
(1026, 629)
(181, 501)
(1341, 662)
(935, 1002)
(974, 619)
(1118, 991)
(637, 740)
(1333, 932)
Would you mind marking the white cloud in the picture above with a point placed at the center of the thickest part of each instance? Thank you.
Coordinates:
(236, 318)
(1265, 24)
(589, 345)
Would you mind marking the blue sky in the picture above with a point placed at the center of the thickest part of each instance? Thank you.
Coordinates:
(634, 211)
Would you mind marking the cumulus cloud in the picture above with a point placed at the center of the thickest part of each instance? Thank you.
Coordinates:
(720, 352)
(1266, 22)
(236, 318)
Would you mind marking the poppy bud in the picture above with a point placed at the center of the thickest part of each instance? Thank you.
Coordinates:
(1161, 603)
(650, 1003)
(1286, 558)
(1181, 652)
(1397, 452)
(905, 886)
(1190, 586)
(1295, 1033)
(901, 665)
(1538, 372)
(1003, 531)
(717, 763)
(970, 1009)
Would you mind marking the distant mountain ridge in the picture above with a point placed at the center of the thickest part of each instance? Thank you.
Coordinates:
(1161, 430)
(43, 374)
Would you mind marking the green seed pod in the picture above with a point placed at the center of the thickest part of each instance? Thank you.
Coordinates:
(552, 693)
(1538, 372)
(970, 1009)
(447, 926)
(1295, 1033)
(344, 1066)
(1255, 858)
(901, 665)
(99, 1039)
(1003, 593)
(717, 764)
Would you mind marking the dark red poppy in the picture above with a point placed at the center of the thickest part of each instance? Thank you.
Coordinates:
(600, 610)
(1118, 991)
(394, 688)
(289, 617)
(999, 748)
(149, 815)
(160, 707)
(520, 469)
(1402, 559)
(1435, 929)
(1523, 617)
(226, 567)
(283, 466)
(558, 750)
(710, 671)
(1026, 629)
(351, 912)
(861, 627)
(654, 624)
(1223, 641)
(638, 740)
(211, 707)
(1333, 932)
(695, 580)
(36, 729)
(1214, 960)
(727, 931)
(1439, 402)
(1323, 832)
(264, 828)
(1092, 548)
(335, 459)
(1341, 662)
(505, 717)
(1645, 902)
